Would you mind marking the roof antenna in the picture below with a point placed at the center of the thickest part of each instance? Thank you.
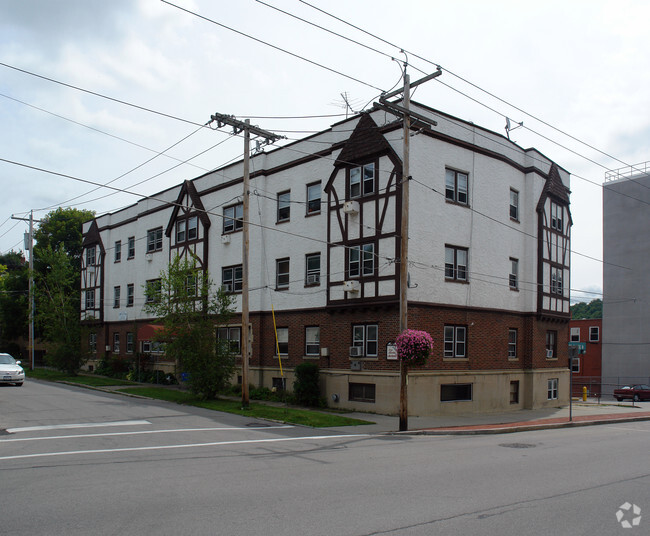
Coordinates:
(509, 128)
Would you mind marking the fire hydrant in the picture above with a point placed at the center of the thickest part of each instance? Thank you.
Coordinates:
(584, 393)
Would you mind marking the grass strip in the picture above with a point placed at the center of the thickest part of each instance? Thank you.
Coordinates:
(58, 376)
(305, 417)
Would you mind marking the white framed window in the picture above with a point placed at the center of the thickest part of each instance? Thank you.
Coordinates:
(551, 344)
(557, 217)
(284, 206)
(116, 296)
(130, 294)
(552, 384)
(455, 341)
(118, 251)
(366, 336)
(594, 333)
(361, 260)
(90, 256)
(556, 281)
(512, 343)
(181, 229)
(116, 343)
(131, 247)
(232, 335)
(575, 364)
(456, 186)
(283, 341)
(312, 340)
(313, 198)
(513, 277)
(575, 334)
(154, 240)
(153, 289)
(233, 218)
(130, 342)
(282, 273)
(362, 180)
(514, 204)
(456, 263)
(231, 278)
(192, 227)
(90, 299)
(312, 269)
(92, 342)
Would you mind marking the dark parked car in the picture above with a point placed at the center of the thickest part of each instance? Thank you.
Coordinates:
(634, 392)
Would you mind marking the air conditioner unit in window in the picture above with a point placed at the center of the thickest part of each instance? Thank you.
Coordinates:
(108, 347)
(313, 279)
(549, 354)
(351, 286)
(355, 365)
(351, 207)
(227, 287)
(356, 351)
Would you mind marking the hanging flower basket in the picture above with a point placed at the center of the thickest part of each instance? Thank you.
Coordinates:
(414, 347)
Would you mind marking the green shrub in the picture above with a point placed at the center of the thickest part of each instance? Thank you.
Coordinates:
(305, 387)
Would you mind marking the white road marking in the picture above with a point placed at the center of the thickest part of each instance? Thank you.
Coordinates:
(186, 446)
(75, 436)
(76, 425)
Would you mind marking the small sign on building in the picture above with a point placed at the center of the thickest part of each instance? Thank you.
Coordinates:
(391, 351)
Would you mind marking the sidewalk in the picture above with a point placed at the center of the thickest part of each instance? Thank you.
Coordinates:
(583, 414)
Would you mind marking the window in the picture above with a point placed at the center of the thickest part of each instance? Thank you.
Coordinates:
(90, 256)
(312, 341)
(152, 290)
(361, 392)
(233, 218)
(131, 247)
(512, 343)
(152, 347)
(451, 392)
(116, 297)
(90, 299)
(556, 281)
(130, 294)
(362, 180)
(232, 335)
(118, 251)
(181, 228)
(283, 341)
(312, 269)
(278, 384)
(514, 274)
(284, 206)
(130, 342)
(514, 392)
(556, 217)
(455, 341)
(456, 263)
(116, 343)
(361, 260)
(575, 334)
(231, 278)
(366, 337)
(575, 364)
(594, 334)
(456, 186)
(514, 204)
(154, 240)
(92, 342)
(552, 389)
(191, 285)
(192, 228)
(313, 198)
(282, 274)
(551, 344)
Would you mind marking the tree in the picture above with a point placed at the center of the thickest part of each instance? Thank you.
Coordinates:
(190, 310)
(58, 310)
(594, 309)
(14, 297)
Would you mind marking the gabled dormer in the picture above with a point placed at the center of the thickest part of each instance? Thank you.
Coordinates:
(92, 274)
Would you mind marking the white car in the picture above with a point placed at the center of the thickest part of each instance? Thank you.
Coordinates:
(11, 371)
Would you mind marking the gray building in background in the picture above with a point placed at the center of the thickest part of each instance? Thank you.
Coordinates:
(626, 277)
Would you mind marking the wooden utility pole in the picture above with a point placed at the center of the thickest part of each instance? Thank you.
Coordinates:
(405, 111)
(269, 137)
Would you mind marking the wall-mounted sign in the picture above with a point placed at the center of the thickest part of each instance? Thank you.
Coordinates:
(391, 351)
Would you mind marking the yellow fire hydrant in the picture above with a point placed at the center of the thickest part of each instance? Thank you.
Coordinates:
(584, 393)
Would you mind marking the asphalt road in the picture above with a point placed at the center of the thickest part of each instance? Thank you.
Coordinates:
(80, 462)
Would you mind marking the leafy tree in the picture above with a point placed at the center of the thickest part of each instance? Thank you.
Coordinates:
(593, 309)
(306, 387)
(58, 310)
(189, 311)
(14, 296)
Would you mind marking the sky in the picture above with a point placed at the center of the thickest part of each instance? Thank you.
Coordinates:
(152, 73)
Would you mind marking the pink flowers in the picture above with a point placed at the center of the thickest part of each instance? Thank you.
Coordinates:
(414, 347)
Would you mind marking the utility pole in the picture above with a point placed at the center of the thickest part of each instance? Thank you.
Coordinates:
(245, 127)
(29, 244)
(405, 111)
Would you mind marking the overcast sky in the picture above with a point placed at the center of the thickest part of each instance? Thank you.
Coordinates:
(581, 67)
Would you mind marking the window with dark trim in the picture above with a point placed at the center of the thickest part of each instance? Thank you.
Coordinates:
(118, 251)
(361, 392)
(456, 263)
(116, 343)
(284, 206)
(233, 218)
(312, 340)
(366, 337)
(116, 296)
(192, 227)
(594, 334)
(90, 299)
(282, 273)
(130, 294)
(362, 180)
(552, 389)
(130, 342)
(313, 198)
(92, 342)
(231, 278)
(456, 186)
(514, 204)
(90, 256)
(312, 269)
(551, 344)
(514, 392)
(455, 341)
(361, 260)
(556, 281)
(154, 240)
(232, 336)
(512, 343)
(451, 392)
(131, 248)
(153, 289)
(513, 277)
(557, 217)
